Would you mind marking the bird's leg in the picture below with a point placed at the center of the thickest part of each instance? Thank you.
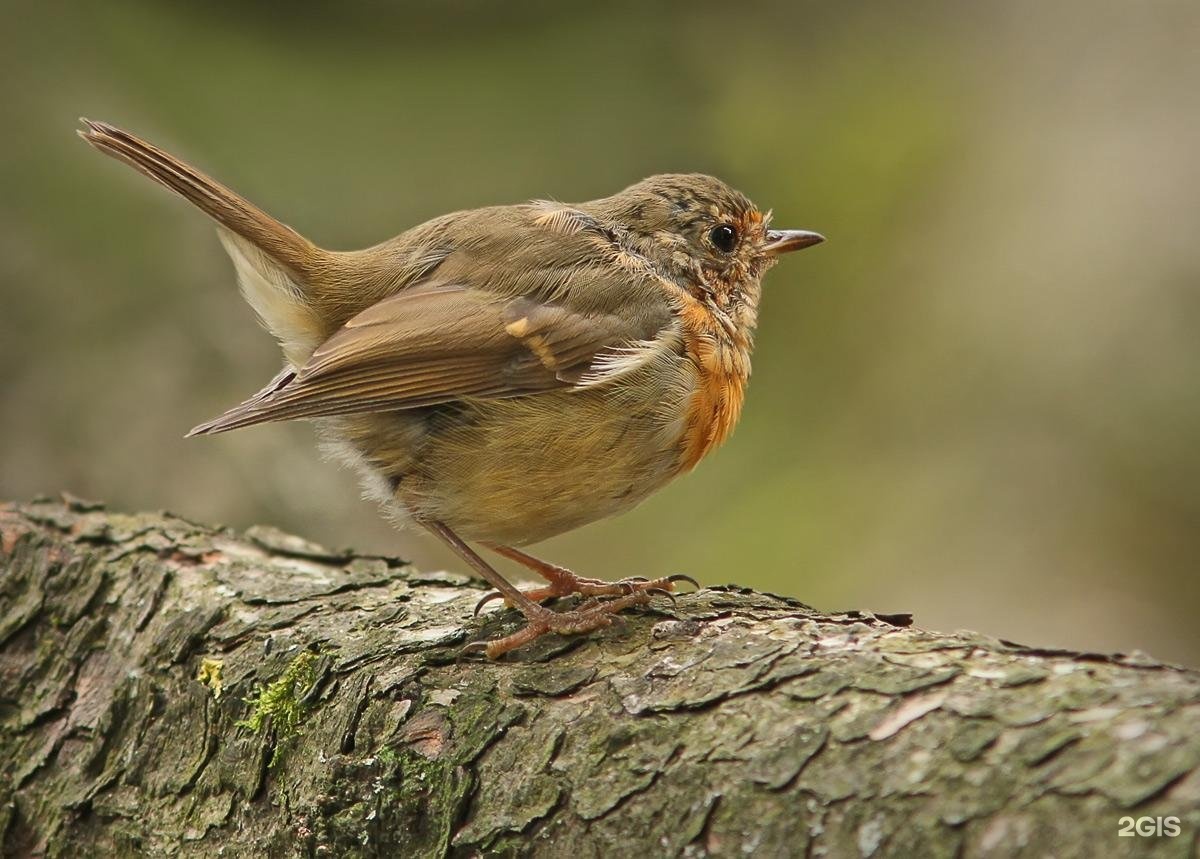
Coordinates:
(510, 592)
(565, 583)
(589, 616)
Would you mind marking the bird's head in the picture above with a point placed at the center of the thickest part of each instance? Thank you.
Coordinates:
(698, 227)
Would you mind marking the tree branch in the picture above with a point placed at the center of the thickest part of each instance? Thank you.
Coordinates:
(169, 688)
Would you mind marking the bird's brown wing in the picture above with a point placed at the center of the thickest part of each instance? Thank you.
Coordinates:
(439, 343)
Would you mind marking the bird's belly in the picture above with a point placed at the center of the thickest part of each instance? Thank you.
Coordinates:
(519, 470)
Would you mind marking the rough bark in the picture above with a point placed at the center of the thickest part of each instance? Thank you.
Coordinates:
(168, 688)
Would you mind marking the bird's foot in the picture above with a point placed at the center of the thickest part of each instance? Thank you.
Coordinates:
(591, 615)
(564, 583)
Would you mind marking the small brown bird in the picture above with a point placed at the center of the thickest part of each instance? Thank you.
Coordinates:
(509, 373)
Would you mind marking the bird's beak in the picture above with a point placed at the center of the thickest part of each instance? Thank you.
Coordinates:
(785, 241)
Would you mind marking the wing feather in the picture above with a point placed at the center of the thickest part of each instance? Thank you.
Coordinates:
(441, 343)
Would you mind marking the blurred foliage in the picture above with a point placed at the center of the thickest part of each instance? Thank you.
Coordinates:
(979, 401)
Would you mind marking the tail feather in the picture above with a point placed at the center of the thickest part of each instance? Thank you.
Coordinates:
(277, 267)
(218, 202)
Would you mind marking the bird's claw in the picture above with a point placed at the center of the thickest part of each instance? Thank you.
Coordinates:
(494, 595)
(470, 649)
(663, 592)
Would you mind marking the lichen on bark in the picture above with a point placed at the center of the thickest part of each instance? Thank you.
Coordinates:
(151, 669)
(281, 705)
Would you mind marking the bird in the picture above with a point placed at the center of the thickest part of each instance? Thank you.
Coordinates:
(505, 374)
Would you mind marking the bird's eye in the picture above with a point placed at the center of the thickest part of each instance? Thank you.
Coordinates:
(724, 238)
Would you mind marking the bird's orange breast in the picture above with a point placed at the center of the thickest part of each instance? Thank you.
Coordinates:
(722, 363)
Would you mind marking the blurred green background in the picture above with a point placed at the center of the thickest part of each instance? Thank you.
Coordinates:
(979, 401)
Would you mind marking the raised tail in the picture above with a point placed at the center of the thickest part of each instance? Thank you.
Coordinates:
(275, 264)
